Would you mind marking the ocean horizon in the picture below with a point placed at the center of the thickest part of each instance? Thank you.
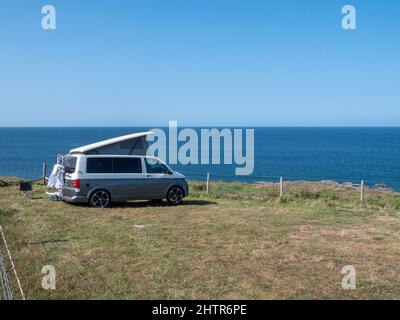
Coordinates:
(342, 154)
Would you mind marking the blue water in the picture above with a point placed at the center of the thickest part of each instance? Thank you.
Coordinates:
(341, 154)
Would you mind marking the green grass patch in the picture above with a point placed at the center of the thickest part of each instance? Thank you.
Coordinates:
(241, 241)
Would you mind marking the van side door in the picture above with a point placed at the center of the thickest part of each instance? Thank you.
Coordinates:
(130, 177)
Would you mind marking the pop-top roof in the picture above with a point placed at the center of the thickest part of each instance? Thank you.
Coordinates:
(93, 146)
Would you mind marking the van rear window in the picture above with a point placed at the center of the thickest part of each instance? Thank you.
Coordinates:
(114, 165)
(70, 164)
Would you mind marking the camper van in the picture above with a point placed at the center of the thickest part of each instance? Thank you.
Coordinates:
(118, 170)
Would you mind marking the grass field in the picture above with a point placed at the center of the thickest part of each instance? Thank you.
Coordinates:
(239, 242)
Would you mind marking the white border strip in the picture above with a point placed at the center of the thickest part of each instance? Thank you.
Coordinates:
(12, 264)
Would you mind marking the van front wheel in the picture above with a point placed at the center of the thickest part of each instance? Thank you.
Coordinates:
(175, 195)
(100, 199)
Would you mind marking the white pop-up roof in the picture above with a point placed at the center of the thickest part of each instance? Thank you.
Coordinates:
(131, 144)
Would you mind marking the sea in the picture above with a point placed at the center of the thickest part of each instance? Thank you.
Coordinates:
(342, 154)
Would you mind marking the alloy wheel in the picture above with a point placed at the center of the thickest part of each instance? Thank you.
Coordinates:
(175, 195)
(100, 199)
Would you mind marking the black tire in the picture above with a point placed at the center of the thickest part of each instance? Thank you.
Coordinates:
(100, 199)
(175, 195)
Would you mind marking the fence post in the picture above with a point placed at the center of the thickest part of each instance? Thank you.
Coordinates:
(362, 193)
(281, 187)
(44, 170)
(208, 182)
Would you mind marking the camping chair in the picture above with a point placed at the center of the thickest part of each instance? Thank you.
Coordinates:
(25, 188)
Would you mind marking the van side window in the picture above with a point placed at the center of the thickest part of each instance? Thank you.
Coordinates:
(127, 165)
(154, 166)
(99, 165)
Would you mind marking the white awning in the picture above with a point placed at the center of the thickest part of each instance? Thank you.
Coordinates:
(104, 143)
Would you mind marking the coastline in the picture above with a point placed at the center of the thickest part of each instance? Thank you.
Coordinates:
(300, 184)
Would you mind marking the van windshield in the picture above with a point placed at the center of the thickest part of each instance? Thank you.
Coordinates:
(70, 164)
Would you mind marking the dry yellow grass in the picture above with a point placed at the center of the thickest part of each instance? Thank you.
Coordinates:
(240, 242)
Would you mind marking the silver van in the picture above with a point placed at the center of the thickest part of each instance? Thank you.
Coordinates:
(102, 179)
(118, 170)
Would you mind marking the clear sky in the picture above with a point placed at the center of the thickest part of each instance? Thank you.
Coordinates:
(200, 62)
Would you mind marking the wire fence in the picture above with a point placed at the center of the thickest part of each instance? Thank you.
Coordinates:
(5, 287)
(202, 174)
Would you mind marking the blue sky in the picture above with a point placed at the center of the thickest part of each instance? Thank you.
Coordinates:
(200, 62)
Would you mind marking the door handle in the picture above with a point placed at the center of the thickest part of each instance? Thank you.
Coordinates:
(148, 175)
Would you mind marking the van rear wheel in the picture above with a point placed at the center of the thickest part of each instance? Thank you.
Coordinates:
(175, 195)
(100, 199)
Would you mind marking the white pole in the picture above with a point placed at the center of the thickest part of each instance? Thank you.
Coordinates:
(208, 182)
(281, 187)
(362, 193)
